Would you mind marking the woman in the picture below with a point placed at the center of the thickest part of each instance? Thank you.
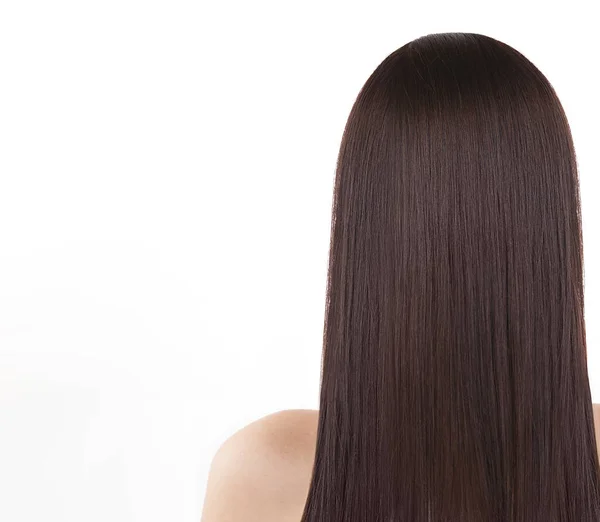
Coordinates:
(454, 375)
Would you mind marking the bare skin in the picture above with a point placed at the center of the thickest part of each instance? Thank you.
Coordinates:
(262, 472)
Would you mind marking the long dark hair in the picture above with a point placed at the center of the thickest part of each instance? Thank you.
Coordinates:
(454, 383)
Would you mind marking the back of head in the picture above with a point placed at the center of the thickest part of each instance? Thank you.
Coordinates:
(454, 373)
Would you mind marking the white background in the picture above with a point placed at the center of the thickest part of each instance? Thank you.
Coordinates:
(166, 173)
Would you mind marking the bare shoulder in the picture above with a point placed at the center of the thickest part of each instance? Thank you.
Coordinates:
(262, 471)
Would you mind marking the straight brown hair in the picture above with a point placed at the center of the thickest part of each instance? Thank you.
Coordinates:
(454, 381)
